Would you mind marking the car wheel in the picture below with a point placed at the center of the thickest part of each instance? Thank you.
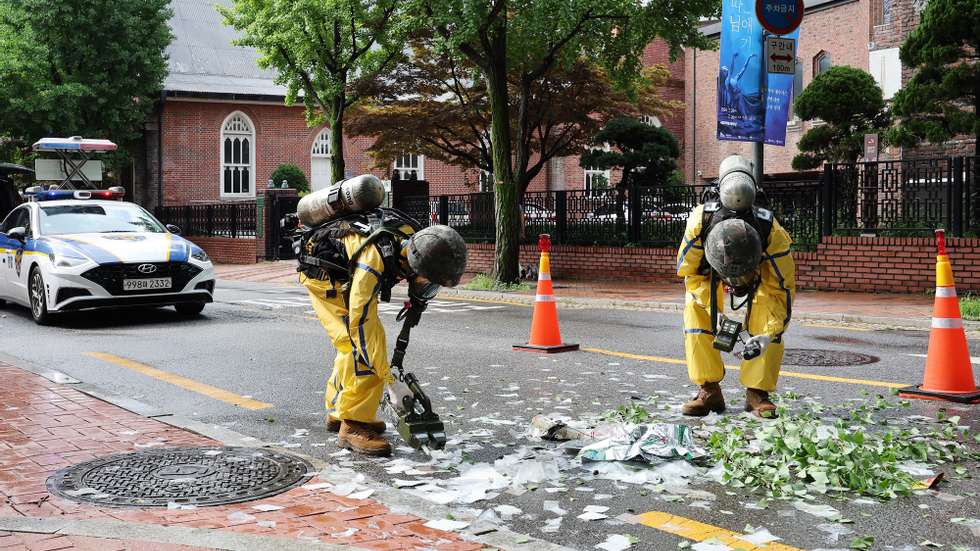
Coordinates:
(189, 308)
(39, 303)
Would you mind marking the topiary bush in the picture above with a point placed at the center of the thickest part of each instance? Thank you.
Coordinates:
(294, 177)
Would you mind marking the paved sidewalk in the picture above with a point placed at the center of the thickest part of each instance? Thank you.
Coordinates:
(46, 426)
(668, 295)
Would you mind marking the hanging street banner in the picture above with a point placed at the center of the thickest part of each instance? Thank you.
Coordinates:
(780, 88)
(740, 105)
(743, 114)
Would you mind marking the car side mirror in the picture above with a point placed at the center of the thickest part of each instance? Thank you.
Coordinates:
(17, 233)
(173, 229)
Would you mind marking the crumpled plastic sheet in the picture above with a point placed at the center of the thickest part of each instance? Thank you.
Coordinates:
(653, 443)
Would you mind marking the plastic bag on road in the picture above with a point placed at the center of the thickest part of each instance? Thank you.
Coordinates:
(654, 443)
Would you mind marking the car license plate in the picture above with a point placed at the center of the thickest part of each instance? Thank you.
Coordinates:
(147, 284)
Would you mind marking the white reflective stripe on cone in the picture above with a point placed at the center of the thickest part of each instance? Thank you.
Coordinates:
(946, 292)
(544, 277)
(544, 298)
(947, 323)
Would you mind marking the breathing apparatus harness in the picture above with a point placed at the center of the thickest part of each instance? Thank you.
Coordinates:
(730, 331)
(322, 255)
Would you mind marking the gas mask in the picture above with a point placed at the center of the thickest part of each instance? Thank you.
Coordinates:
(421, 289)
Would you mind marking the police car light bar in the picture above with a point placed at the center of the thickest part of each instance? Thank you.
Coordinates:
(74, 143)
(37, 193)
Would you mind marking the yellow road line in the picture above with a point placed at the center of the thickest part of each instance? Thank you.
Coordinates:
(699, 531)
(182, 382)
(487, 300)
(796, 374)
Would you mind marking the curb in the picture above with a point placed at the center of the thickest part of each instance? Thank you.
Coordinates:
(676, 307)
(392, 498)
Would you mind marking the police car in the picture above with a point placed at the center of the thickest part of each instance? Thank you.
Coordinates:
(66, 250)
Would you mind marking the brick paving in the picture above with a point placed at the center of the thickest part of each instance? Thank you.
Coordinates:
(45, 426)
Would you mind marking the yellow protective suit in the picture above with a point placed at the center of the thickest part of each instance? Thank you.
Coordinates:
(769, 314)
(360, 369)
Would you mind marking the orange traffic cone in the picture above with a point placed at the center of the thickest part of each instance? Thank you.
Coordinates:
(949, 375)
(545, 335)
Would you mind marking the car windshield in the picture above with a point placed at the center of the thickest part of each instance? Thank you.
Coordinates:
(97, 218)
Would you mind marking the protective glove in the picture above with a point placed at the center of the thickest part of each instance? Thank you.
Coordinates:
(755, 346)
(396, 393)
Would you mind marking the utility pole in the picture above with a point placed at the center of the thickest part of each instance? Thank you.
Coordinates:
(758, 148)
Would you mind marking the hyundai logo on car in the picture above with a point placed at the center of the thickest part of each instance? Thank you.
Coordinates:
(146, 268)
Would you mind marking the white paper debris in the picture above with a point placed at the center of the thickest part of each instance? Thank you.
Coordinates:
(317, 486)
(759, 537)
(507, 511)
(364, 494)
(345, 534)
(266, 523)
(816, 509)
(595, 509)
(401, 483)
(239, 516)
(834, 531)
(553, 507)
(446, 525)
(552, 525)
(710, 546)
(266, 507)
(615, 542)
(592, 516)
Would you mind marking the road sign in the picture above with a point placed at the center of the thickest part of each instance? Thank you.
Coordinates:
(870, 147)
(779, 16)
(780, 55)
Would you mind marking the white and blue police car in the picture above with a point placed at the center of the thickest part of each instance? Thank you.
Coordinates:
(68, 250)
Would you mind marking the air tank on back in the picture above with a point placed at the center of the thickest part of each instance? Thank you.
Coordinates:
(360, 193)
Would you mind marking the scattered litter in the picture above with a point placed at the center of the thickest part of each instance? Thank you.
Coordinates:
(592, 516)
(239, 516)
(341, 453)
(710, 545)
(81, 492)
(364, 494)
(344, 490)
(266, 523)
(345, 534)
(552, 507)
(552, 525)
(507, 511)
(148, 444)
(759, 536)
(400, 483)
(174, 505)
(617, 542)
(446, 524)
(267, 507)
(834, 531)
(816, 509)
(653, 443)
(596, 509)
(300, 433)
(317, 486)
(213, 453)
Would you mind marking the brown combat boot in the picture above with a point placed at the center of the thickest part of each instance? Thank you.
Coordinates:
(333, 425)
(709, 399)
(360, 437)
(757, 401)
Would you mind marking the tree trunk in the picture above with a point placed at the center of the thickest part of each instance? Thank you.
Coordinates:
(507, 255)
(337, 167)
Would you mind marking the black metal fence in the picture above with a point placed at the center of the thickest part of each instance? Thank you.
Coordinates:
(214, 220)
(645, 216)
(883, 198)
(902, 197)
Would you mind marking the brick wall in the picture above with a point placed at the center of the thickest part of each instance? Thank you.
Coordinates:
(840, 29)
(227, 250)
(882, 265)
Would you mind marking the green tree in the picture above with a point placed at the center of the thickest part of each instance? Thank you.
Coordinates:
(325, 49)
(645, 154)
(293, 175)
(940, 100)
(850, 104)
(88, 67)
(517, 43)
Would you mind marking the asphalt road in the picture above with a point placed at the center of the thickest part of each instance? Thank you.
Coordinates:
(261, 342)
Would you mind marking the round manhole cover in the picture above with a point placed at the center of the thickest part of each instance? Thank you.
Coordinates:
(825, 358)
(186, 476)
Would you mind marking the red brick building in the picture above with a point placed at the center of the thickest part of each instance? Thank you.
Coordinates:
(221, 128)
(864, 34)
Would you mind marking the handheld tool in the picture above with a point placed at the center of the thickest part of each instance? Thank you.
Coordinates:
(418, 425)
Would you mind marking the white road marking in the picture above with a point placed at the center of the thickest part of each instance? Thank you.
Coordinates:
(973, 359)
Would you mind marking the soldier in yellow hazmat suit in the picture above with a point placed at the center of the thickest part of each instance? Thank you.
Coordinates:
(731, 229)
(348, 310)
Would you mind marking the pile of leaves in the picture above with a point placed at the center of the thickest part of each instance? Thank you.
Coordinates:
(801, 452)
